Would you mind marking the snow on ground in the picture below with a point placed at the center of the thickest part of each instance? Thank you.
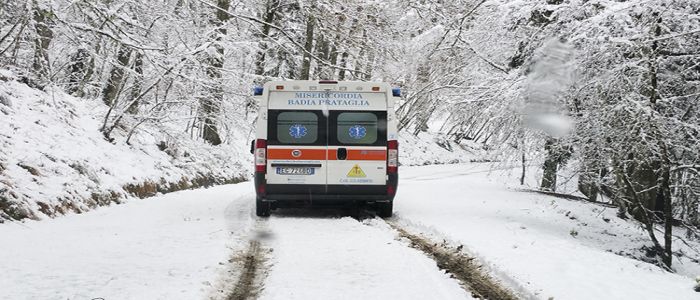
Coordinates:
(54, 159)
(429, 148)
(167, 247)
(551, 247)
(322, 256)
(178, 246)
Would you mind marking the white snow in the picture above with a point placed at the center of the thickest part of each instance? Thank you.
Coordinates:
(320, 256)
(179, 246)
(424, 149)
(551, 247)
(167, 247)
(57, 137)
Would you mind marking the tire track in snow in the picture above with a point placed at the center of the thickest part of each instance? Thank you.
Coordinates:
(323, 254)
(462, 267)
(246, 287)
(244, 272)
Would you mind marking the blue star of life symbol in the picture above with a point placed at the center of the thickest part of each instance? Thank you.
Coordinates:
(357, 132)
(297, 131)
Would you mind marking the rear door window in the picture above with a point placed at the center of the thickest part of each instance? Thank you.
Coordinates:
(296, 128)
(360, 128)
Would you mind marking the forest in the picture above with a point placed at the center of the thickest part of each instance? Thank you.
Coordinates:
(607, 89)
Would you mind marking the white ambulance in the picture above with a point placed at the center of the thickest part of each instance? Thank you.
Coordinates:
(325, 142)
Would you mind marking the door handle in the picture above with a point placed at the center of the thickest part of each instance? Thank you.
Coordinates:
(342, 154)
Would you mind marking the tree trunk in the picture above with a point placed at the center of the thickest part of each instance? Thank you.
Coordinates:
(664, 201)
(333, 55)
(179, 6)
(308, 46)
(369, 66)
(269, 17)
(211, 103)
(323, 52)
(361, 60)
(646, 216)
(524, 163)
(358, 62)
(90, 67)
(346, 53)
(663, 192)
(551, 163)
(417, 113)
(138, 80)
(664, 196)
(77, 71)
(343, 65)
(40, 65)
(116, 77)
(589, 176)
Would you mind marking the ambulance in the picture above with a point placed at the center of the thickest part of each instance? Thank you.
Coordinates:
(326, 142)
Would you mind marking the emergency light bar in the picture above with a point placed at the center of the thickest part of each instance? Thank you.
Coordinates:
(258, 90)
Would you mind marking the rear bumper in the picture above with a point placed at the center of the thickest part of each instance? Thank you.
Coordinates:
(330, 198)
(326, 193)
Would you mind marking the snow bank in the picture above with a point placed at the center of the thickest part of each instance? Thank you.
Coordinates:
(54, 159)
(544, 246)
(429, 148)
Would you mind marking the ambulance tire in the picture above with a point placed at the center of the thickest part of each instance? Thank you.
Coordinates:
(385, 209)
(262, 208)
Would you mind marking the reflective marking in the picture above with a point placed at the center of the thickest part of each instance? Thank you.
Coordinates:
(307, 154)
(320, 154)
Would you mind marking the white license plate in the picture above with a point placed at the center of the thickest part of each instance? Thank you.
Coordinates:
(295, 171)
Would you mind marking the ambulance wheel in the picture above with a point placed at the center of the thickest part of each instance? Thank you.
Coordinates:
(385, 209)
(262, 208)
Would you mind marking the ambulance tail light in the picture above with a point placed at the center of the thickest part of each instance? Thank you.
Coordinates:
(392, 161)
(260, 156)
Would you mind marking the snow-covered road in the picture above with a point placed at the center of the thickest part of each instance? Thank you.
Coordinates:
(321, 257)
(167, 247)
(179, 246)
(185, 246)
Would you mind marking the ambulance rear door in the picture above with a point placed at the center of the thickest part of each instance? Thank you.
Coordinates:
(357, 147)
(297, 147)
